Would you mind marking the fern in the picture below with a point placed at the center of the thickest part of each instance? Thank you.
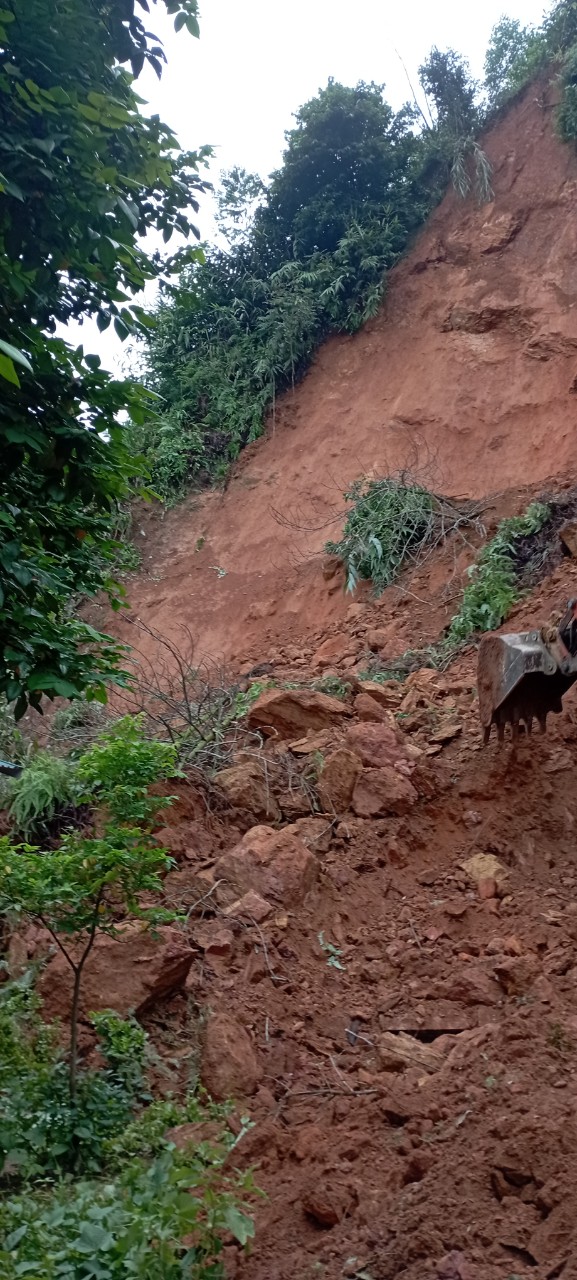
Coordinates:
(47, 787)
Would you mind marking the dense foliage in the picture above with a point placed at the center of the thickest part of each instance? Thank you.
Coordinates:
(83, 176)
(90, 1183)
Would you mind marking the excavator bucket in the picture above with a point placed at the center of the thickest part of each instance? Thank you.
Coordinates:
(520, 680)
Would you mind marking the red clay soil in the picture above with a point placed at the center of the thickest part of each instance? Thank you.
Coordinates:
(467, 375)
(457, 1160)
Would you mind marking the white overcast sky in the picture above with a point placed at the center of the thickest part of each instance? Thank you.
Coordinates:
(256, 62)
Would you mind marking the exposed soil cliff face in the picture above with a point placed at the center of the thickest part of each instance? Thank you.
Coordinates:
(469, 373)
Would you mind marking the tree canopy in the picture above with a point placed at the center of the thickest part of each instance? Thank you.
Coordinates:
(83, 176)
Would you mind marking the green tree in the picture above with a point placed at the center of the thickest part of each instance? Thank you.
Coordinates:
(79, 890)
(83, 176)
(508, 60)
(446, 80)
(347, 152)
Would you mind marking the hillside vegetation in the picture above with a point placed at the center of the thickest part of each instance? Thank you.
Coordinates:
(307, 253)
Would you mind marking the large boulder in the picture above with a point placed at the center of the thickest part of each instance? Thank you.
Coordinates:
(275, 864)
(246, 787)
(229, 1066)
(129, 973)
(288, 713)
(380, 792)
(337, 780)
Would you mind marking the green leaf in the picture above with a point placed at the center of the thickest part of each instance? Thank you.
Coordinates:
(55, 684)
(16, 355)
(128, 212)
(107, 253)
(8, 371)
(239, 1224)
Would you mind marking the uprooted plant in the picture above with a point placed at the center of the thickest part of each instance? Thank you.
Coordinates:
(391, 523)
(494, 587)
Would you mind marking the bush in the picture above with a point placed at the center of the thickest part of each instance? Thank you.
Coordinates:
(493, 588)
(77, 725)
(128, 1226)
(143, 1195)
(122, 765)
(390, 523)
(42, 1131)
(47, 789)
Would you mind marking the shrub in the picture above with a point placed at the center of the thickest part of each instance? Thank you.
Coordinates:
(42, 1131)
(79, 890)
(47, 789)
(122, 765)
(389, 524)
(131, 1225)
(77, 725)
(386, 523)
(493, 588)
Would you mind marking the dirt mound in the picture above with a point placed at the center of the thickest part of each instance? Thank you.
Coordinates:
(468, 373)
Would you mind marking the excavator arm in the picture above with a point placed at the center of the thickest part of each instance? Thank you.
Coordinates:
(524, 676)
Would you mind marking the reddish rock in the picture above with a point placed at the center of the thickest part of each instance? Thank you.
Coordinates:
(487, 888)
(251, 907)
(213, 939)
(325, 1201)
(367, 708)
(568, 536)
(379, 792)
(314, 832)
(454, 1266)
(294, 804)
(517, 975)
(377, 638)
(246, 787)
(287, 712)
(469, 987)
(376, 745)
(387, 694)
(337, 780)
(229, 1066)
(333, 650)
(130, 973)
(275, 864)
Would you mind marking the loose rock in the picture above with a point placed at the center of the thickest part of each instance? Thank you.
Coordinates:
(377, 745)
(229, 1066)
(251, 907)
(288, 712)
(379, 792)
(274, 864)
(245, 786)
(129, 973)
(337, 780)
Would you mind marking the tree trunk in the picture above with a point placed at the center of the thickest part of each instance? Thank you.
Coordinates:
(74, 1030)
